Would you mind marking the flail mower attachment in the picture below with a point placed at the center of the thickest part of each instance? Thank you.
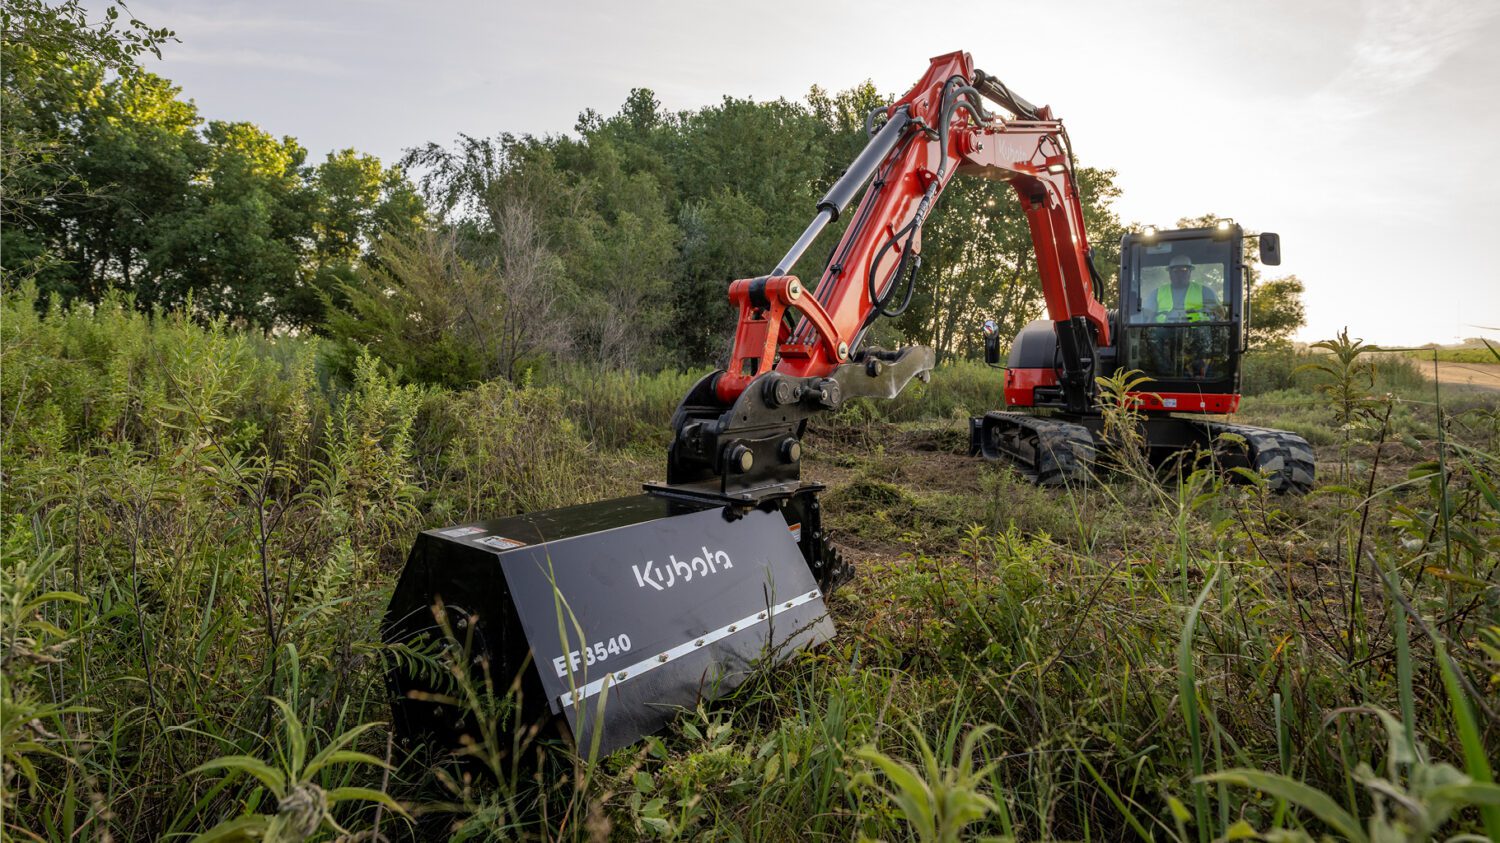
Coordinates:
(608, 617)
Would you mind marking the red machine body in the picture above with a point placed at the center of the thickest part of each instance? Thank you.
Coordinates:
(1030, 152)
(737, 431)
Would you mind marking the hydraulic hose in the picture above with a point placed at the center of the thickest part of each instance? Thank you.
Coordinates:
(956, 95)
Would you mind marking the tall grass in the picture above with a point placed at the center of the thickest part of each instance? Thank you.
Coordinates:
(619, 409)
(197, 523)
(201, 531)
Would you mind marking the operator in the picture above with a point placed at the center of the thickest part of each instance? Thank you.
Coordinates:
(1183, 295)
(1185, 300)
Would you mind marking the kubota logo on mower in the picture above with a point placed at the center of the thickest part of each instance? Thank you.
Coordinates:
(678, 570)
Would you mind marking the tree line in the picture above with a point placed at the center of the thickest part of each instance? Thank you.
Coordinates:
(475, 258)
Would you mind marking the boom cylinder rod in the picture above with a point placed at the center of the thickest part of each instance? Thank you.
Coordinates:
(838, 197)
(809, 234)
(998, 92)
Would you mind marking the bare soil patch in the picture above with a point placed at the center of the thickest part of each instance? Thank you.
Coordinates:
(1478, 375)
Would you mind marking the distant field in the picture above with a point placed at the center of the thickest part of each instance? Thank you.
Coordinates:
(1460, 355)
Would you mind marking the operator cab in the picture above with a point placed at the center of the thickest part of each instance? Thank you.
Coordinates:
(1181, 309)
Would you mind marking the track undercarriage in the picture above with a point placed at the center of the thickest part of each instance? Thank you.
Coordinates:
(1062, 450)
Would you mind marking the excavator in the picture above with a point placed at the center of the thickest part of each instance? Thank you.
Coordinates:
(1181, 324)
(606, 619)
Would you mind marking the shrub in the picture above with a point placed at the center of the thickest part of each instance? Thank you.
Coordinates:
(500, 449)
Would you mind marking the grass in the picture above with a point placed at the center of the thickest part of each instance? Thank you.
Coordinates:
(1481, 354)
(201, 533)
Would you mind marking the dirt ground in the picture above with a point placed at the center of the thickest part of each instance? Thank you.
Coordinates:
(1480, 375)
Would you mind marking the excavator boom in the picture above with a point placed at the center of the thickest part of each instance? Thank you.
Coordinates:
(939, 129)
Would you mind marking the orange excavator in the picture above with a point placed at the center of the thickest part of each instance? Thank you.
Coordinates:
(611, 616)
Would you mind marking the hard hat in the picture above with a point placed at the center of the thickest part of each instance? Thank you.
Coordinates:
(1181, 260)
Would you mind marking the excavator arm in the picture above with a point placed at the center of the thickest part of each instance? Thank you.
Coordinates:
(737, 434)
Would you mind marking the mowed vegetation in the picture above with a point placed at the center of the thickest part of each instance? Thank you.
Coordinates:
(234, 385)
(202, 529)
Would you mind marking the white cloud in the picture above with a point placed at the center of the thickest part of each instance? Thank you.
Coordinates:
(1400, 44)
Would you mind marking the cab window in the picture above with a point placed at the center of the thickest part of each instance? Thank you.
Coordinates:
(1178, 282)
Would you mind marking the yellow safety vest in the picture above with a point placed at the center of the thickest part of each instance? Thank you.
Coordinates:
(1192, 302)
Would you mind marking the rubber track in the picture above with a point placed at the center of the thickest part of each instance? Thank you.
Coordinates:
(1061, 453)
(1283, 457)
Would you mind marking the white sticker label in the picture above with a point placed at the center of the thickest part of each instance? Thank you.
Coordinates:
(460, 532)
(599, 651)
(796, 530)
(1169, 402)
(501, 542)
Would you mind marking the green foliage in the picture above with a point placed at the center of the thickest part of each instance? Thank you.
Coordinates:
(232, 523)
(1484, 354)
(302, 805)
(1413, 801)
(53, 58)
(1347, 376)
(436, 315)
(939, 799)
(652, 215)
(114, 181)
(65, 28)
(628, 232)
(1276, 311)
(1122, 415)
(621, 408)
(31, 641)
(492, 460)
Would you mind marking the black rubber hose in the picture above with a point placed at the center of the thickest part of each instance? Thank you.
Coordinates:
(952, 91)
(956, 95)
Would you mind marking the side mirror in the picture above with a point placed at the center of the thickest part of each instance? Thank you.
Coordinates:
(991, 343)
(1270, 248)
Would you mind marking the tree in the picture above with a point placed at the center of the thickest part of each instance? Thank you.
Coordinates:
(237, 246)
(719, 233)
(653, 215)
(64, 29)
(355, 202)
(53, 59)
(438, 316)
(608, 226)
(621, 260)
(1275, 311)
(113, 181)
(139, 151)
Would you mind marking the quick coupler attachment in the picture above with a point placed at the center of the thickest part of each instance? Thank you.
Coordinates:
(608, 618)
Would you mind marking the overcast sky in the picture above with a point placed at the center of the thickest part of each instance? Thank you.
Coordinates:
(1366, 133)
